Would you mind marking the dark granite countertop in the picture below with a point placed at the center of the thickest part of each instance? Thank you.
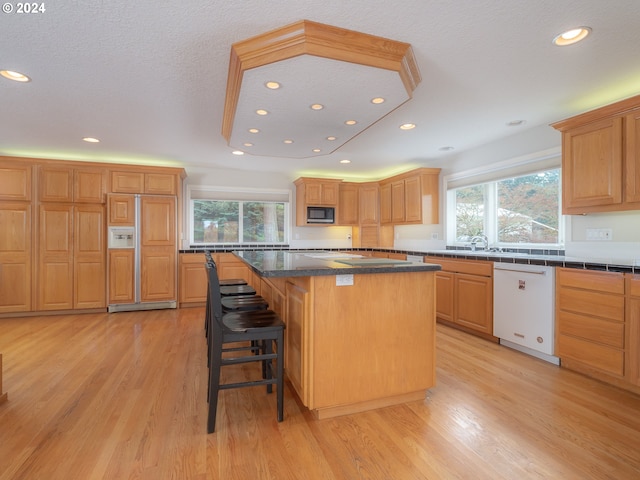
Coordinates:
(552, 258)
(278, 263)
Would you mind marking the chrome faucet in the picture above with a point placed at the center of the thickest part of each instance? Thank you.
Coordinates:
(479, 238)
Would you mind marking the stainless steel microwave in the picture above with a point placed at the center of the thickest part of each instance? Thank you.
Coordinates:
(321, 214)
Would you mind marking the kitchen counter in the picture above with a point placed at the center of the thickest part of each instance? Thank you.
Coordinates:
(360, 331)
(278, 263)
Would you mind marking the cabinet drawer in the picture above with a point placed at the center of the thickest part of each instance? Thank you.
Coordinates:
(472, 267)
(593, 329)
(592, 303)
(591, 280)
(601, 357)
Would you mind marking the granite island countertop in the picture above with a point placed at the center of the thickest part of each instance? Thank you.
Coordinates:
(279, 263)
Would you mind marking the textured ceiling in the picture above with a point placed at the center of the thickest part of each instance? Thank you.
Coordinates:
(148, 77)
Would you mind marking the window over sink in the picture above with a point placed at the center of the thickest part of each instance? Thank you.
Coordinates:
(520, 210)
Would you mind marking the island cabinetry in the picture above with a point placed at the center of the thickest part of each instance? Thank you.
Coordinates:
(297, 337)
(410, 198)
(193, 279)
(71, 257)
(348, 203)
(601, 159)
(464, 294)
(590, 322)
(633, 326)
(70, 184)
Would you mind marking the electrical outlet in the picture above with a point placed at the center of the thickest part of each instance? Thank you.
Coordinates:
(434, 236)
(348, 236)
(599, 234)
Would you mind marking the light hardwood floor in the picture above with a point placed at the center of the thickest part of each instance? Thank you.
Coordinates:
(123, 396)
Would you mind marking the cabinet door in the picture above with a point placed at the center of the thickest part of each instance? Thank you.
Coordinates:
(297, 314)
(127, 182)
(15, 181)
(397, 202)
(158, 272)
(474, 302)
(632, 158)
(385, 203)
(412, 199)
(89, 273)
(444, 296)
(121, 276)
(55, 259)
(329, 193)
(368, 200)
(158, 221)
(89, 186)
(121, 210)
(592, 166)
(160, 183)
(55, 184)
(633, 328)
(158, 248)
(313, 193)
(193, 278)
(15, 257)
(348, 204)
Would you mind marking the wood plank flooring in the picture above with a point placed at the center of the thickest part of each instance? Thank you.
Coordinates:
(123, 396)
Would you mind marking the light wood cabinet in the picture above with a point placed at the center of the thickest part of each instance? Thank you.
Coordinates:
(348, 204)
(15, 180)
(71, 185)
(369, 204)
(121, 210)
(633, 328)
(121, 276)
(144, 182)
(71, 257)
(590, 321)
(192, 279)
(15, 256)
(315, 192)
(464, 294)
(157, 248)
(410, 198)
(601, 159)
(296, 334)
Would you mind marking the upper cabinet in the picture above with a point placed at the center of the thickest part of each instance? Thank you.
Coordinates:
(70, 184)
(369, 203)
(601, 159)
(315, 192)
(144, 182)
(348, 203)
(410, 198)
(15, 180)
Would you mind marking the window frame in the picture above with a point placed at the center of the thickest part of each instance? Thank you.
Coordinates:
(235, 194)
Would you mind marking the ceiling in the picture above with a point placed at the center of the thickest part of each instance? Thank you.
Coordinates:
(148, 78)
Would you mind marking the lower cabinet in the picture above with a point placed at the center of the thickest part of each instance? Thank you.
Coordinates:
(464, 294)
(15, 257)
(121, 276)
(193, 279)
(633, 328)
(296, 317)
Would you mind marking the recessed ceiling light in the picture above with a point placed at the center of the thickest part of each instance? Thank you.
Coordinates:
(345, 161)
(16, 76)
(238, 152)
(260, 111)
(317, 106)
(331, 139)
(91, 140)
(571, 36)
(515, 123)
(316, 150)
(407, 126)
(377, 100)
(248, 144)
(288, 141)
(272, 85)
(350, 122)
(253, 130)
(446, 149)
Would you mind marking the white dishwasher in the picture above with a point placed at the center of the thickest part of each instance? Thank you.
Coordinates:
(524, 308)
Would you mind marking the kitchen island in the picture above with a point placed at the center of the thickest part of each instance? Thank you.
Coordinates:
(360, 331)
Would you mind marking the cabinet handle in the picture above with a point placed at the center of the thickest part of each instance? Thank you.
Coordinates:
(534, 272)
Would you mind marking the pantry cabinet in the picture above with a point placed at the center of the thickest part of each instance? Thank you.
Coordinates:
(464, 294)
(15, 180)
(15, 256)
(68, 184)
(601, 159)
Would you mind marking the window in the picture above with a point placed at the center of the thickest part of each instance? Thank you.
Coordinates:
(251, 217)
(519, 210)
